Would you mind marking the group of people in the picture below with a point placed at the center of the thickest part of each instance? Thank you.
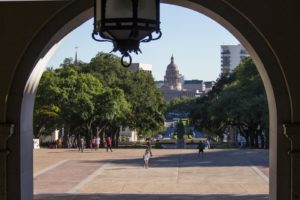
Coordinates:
(95, 143)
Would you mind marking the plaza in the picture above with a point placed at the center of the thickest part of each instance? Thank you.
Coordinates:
(238, 174)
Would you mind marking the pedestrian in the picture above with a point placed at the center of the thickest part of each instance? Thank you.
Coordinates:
(208, 144)
(91, 143)
(78, 143)
(94, 143)
(108, 144)
(148, 145)
(200, 149)
(81, 144)
(146, 158)
(97, 142)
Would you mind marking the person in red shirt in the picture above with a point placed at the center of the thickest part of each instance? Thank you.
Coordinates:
(108, 144)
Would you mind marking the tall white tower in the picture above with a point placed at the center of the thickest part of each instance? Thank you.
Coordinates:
(231, 56)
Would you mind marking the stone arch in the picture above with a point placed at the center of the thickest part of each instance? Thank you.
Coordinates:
(21, 97)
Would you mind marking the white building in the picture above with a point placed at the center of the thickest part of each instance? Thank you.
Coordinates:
(193, 85)
(50, 138)
(231, 56)
(128, 135)
(140, 66)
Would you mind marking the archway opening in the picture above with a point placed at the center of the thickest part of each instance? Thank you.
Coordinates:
(243, 40)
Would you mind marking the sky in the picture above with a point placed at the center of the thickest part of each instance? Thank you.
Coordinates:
(191, 37)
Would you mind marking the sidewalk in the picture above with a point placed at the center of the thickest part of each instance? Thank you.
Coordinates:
(173, 174)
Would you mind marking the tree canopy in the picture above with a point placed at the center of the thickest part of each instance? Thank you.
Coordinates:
(238, 100)
(100, 95)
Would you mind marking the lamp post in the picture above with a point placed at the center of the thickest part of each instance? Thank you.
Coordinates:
(126, 23)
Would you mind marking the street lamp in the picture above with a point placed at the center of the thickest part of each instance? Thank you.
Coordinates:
(126, 23)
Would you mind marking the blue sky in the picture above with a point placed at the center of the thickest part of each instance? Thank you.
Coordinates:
(191, 37)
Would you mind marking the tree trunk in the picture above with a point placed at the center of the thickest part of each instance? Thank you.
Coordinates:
(65, 137)
(247, 137)
(255, 139)
(262, 139)
(114, 136)
(89, 134)
(117, 138)
(251, 139)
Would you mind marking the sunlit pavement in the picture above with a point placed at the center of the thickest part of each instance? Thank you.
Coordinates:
(67, 174)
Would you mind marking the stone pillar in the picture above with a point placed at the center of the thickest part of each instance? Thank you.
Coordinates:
(292, 132)
(6, 131)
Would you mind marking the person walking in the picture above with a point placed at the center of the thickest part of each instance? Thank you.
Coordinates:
(97, 142)
(200, 149)
(108, 144)
(146, 158)
(94, 143)
(148, 145)
(81, 144)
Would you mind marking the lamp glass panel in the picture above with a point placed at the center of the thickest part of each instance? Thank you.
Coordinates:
(120, 34)
(118, 9)
(142, 34)
(107, 35)
(147, 9)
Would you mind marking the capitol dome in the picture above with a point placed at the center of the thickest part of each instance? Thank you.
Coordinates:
(172, 67)
(172, 77)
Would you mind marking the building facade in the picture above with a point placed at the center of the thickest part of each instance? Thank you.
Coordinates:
(172, 79)
(141, 67)
(174, 85)
(128, 135)
(231, 56)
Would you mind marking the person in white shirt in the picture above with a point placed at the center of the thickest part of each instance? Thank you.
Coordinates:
(97, 142)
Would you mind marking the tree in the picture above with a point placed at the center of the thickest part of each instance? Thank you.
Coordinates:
(46, 115)
(90, 97)
(70, 96)
(113, 110)
(147, 102)
(237, 100)
(180, 130)
(181, 105)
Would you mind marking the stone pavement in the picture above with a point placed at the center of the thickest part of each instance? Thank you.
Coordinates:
(66, 174)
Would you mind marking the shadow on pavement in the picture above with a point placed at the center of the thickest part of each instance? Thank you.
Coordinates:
(148, 197)
(227, 158)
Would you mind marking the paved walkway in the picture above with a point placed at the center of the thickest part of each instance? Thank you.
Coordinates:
(173, 174)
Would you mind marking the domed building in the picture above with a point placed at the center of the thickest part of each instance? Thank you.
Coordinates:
(172, 79)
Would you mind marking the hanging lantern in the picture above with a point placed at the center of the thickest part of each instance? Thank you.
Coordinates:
(126, 23)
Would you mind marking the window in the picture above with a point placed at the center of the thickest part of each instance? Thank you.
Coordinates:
(225, 51)
(243, 51)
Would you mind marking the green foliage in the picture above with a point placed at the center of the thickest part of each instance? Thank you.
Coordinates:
(237, 99)
(180, 130)
(102, 93)
(183, 104)
(148, 103)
